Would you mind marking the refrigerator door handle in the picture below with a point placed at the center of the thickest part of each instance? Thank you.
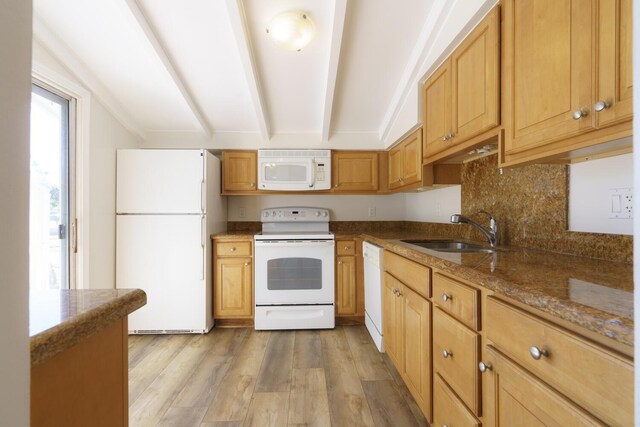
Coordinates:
(203, 243)
(202, 195)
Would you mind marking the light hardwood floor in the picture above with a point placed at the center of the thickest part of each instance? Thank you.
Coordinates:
(242, 377)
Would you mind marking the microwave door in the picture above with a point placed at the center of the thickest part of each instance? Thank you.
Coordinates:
(287, 174)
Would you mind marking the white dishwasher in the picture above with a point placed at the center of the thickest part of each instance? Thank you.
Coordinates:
(373, 291)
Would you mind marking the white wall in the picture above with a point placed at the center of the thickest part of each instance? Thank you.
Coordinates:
(105, 136)
(434, 206)
(15, 98)
(589, 200)
(343, 208)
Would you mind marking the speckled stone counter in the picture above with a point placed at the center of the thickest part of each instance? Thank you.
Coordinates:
(591, 293)
(233, 235)
(60, 319)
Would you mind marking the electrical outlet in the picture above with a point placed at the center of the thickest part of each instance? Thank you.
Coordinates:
(372, 211)
(242, 212)
(620, 203)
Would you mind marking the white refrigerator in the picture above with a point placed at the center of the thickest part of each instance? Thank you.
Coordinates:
(168, 203)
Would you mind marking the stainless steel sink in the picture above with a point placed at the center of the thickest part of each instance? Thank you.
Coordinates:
(450, 246)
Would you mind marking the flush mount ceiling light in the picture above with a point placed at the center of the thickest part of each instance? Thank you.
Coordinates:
(291, 30)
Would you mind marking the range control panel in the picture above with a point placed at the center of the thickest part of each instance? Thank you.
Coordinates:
(295, 214)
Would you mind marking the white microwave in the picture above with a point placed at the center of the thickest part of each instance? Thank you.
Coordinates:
(294, 170)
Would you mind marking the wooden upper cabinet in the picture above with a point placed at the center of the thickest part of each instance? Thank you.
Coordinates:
(548, 71)
(240, 171)
(475, 72)
(462, 97)
(615, 65)
(405, 162)
(437, 110)
(355, 171)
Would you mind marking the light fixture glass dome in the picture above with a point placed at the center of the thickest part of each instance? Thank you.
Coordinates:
(291, 30)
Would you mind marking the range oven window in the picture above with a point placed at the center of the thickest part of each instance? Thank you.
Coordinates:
(284, 274)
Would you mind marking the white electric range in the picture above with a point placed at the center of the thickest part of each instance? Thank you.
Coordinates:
(294, 270)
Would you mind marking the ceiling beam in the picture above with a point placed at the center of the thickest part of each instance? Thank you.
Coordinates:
(239, 26)
(339, 11)
(169, 65)
(58, 49)
(424, 45)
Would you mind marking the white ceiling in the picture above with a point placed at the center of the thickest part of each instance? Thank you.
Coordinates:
(207, 66)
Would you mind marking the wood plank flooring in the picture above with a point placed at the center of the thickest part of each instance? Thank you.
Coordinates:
(241, 377)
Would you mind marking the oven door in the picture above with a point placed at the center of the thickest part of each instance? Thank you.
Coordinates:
(294, 272)
(284, 174)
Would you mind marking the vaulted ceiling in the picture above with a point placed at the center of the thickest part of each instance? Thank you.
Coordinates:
(207, 66)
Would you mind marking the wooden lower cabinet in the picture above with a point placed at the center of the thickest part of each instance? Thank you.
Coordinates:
(234, 287)
(517, 398)
(85, 385)
(233, 280)
(448, 410)
(407, 338)
(346, 291)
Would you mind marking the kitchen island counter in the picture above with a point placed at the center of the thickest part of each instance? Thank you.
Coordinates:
(60, 319)
(594, 294)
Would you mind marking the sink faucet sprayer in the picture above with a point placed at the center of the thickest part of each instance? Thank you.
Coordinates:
(491, 233)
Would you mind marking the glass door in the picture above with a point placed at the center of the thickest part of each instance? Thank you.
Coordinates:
(50, 196)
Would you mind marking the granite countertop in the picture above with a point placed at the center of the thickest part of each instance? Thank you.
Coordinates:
(59, 319)
(591, 293)
(234, 235)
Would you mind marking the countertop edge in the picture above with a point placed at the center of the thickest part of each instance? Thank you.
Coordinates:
(617, 328)
(51, 342)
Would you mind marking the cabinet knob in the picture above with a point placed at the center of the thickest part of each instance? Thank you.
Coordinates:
(335, 185)
(444, 138)
(600, 106)
(401, 179)
(450, 136)
(346, 248)
(233, 249)
(484, 367)
(339, 262)
(447, 353)
(537, 353)
(253, 184)
(578, 114)
(246, 264)
(446, 297)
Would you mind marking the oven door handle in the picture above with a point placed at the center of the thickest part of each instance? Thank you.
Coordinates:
(289, 244)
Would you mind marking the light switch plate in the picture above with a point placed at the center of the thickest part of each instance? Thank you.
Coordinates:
(620, 203)
(372, 211)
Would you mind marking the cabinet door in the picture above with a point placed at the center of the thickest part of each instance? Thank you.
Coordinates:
(240, 170)
(346, 298)
(437, 110)
(395, 168)
(412, 158)
(392, 319)
(515, 397)
(233, 288)
(475, 69)
(548, 71)
(615, 65)
(417, 348)
(355, 171)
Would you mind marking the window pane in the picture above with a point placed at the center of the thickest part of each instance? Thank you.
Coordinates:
(49, 204)
(285, 274)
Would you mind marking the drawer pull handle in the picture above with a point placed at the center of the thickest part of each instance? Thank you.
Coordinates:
(537, 353)
(446, 354)
(484, 367)
(446, 297)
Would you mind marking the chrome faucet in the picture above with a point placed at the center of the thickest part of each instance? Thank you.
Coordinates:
(491, 232)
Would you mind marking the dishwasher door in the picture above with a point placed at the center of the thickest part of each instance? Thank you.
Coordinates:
(373, 291)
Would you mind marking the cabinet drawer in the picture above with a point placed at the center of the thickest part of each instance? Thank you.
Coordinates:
(412, 274)
(459, 300)
(346, 247)
(233, 248)
(587, 373)
(455, 357)
(447, 408)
